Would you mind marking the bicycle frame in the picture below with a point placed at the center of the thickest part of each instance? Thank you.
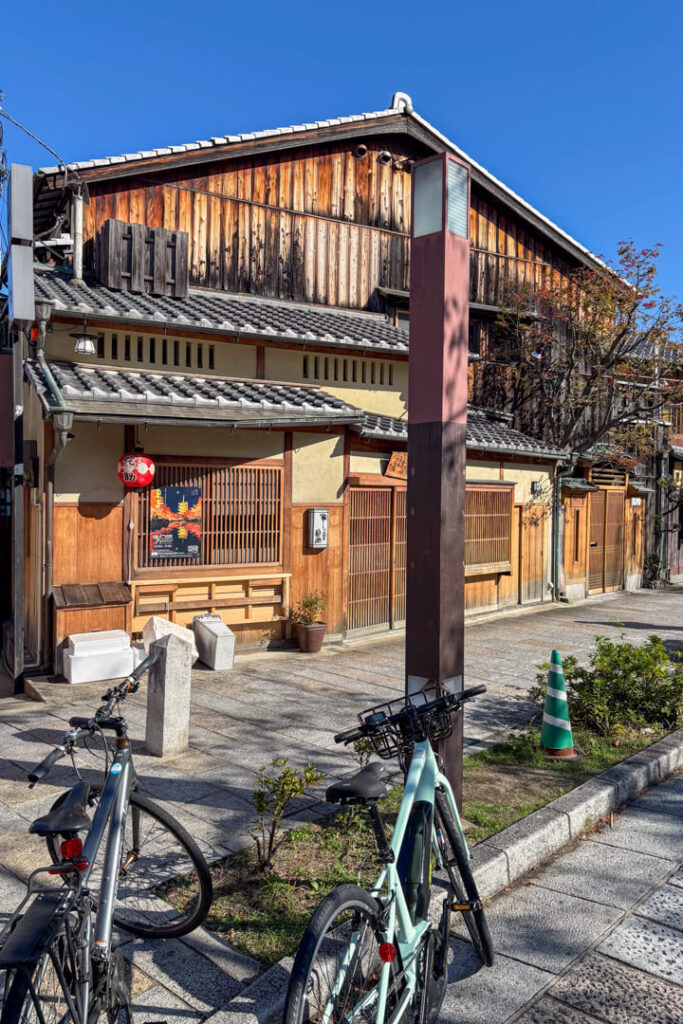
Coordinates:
(111, 810)
(421, 783)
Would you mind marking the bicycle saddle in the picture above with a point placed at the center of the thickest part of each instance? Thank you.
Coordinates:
(364, 785)
(70, 816)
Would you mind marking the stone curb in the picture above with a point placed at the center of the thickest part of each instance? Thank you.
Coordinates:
(504, 858)
(501, 860)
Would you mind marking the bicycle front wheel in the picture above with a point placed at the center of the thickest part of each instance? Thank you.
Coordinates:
(164, 887)
(460, 874)
(337, 967)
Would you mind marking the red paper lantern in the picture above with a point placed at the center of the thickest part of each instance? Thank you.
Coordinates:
(136, 470)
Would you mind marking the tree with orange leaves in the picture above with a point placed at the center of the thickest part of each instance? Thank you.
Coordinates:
(591, 360)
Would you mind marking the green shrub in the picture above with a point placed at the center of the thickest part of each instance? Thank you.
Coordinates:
(625, 686)
(275, 790)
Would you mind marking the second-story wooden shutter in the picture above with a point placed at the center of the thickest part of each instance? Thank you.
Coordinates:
(136, 258)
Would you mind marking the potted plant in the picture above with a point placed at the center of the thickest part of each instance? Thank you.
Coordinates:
(309, 630)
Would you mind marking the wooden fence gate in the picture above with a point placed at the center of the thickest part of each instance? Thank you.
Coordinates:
(377, 557)
(532, 530)
(606, 542)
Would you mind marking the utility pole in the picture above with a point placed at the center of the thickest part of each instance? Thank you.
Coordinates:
(437, 421)
(21, 314)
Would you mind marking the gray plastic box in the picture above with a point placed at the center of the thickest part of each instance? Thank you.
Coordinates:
(215, 641)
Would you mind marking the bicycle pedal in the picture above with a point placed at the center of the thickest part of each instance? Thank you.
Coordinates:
(467, 905)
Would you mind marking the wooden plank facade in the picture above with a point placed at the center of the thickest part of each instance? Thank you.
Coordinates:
(321, 225)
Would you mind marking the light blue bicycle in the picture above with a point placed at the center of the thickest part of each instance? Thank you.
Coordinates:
(375, 957)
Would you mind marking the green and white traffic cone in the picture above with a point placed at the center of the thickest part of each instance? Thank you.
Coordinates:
(556, 732)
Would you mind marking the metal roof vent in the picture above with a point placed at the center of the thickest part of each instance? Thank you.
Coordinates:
(402, 102)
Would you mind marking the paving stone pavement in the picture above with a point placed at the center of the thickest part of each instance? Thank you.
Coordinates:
(595, 936)
(290, 705)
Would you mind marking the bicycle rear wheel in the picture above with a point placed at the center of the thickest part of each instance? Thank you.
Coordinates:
(460, 875)
(164, 888)
(44, 990)
(337, 966)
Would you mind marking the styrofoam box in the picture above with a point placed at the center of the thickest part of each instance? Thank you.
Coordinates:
(215, 641)
(104, 641)
(97, 665)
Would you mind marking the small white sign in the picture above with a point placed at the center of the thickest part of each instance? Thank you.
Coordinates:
(635, 502)
(318, 527)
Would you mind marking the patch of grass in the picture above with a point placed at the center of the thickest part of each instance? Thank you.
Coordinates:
(265, 914)
(515, 778)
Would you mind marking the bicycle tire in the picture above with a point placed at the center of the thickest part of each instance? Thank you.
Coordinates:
(475, 920)
(139, 909)
(17, 1002)
(347, 911)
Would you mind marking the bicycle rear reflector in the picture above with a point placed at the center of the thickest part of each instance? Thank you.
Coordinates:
(387, 952)
(70, 850)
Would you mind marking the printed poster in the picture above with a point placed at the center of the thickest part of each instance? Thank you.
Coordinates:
(175, 522)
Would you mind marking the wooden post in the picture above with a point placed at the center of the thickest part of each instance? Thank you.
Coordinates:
(439, 325)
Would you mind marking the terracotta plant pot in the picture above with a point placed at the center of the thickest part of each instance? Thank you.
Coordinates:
(310, 636)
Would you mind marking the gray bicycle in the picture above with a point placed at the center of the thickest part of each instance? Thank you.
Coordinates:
(57, 959)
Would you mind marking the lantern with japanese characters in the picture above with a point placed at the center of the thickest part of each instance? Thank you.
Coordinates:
(136, 470)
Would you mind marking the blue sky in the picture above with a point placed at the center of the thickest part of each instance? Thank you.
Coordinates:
(577, 107)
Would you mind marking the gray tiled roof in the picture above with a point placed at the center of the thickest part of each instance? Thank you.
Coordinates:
(112, 392)
(228, 314)
(677, 452)
(484, 432)
(220, 140)
(574, 483)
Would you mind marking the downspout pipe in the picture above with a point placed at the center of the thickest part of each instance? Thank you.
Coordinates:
(77, 236)
(62, 420)
(561, 470)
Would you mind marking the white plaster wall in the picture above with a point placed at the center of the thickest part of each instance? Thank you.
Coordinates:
(285, 364)
(218, 442)
(368, 462)
(230, 360)
(87, 469)
(317, 467)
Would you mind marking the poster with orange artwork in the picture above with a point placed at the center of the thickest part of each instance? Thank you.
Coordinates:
(175, 522)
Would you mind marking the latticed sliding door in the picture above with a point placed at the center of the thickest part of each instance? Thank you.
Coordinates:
(399, 595)
(369, 557)
(614, 540)
(596, 549)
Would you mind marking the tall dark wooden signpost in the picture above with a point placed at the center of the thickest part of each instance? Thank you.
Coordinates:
(439, 326)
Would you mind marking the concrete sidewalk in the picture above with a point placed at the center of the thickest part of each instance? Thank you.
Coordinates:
(290, 705)
(596, 935)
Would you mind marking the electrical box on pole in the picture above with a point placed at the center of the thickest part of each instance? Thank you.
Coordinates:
(437, 420)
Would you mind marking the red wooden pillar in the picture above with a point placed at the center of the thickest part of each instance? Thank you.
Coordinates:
(437, 417)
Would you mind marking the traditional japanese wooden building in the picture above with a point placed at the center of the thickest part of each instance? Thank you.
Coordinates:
(244, 302)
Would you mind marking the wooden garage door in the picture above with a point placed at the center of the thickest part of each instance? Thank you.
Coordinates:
(606, 550)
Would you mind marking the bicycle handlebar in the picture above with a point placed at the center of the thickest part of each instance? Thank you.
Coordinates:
(101, 719)
(41, 770)
(448, 701)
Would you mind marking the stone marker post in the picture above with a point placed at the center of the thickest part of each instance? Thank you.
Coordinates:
(168, 697)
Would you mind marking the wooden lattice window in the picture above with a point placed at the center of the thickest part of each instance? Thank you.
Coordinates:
(241, 513)
(608, 476)
(488, 527)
